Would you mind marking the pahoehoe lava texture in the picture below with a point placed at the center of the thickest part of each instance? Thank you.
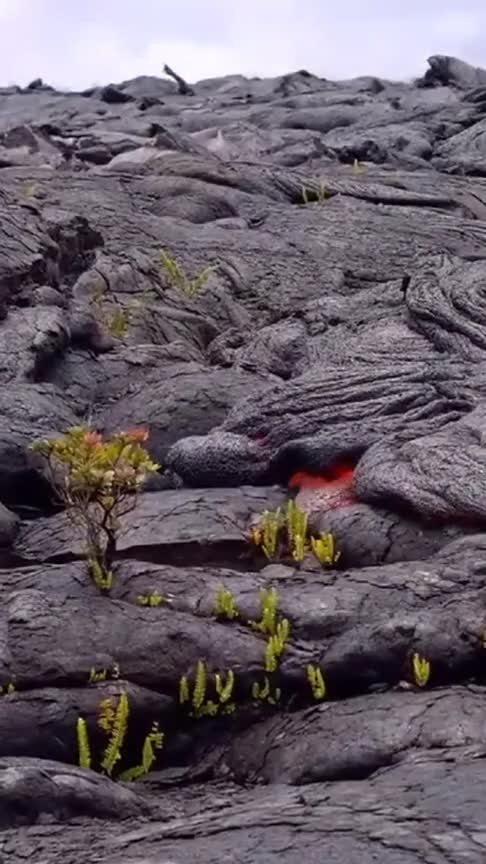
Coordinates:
(336, 352)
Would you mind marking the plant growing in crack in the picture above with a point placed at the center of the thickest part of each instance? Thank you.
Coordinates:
(324, 549)
(96, 675)
(224, 606)
(268, 611)
(115, 318)
(309, 196)
(153, 599)
(284, 533)
(98, 481)
(113, 721)
(111, 314)
(178, 278)
(199, 705)
(276, 645)
(420, 670)
(316, 681)
(263, 692)
(6, 689)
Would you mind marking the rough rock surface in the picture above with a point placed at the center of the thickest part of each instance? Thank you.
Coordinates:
(336, 350)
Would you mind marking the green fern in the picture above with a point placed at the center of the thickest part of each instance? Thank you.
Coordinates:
(296, 531)
(199, 693)
(153, 599)
(224, 606)
(264, 693)
(268, 611)
(224, 690)
(316, 681)
(311, 197)
(153, 742)
(178, 278)
(84, 751)
(118, 732)
(184, 695)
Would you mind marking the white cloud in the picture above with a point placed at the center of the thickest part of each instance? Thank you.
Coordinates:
(11, 9)
(78, 45)
(458, 25)
(117, 61)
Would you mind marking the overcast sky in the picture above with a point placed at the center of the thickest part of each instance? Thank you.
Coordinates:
(76, 44)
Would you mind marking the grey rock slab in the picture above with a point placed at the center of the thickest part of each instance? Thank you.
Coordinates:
(206, 521)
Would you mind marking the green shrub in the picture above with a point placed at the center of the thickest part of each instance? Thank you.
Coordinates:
(98, 481)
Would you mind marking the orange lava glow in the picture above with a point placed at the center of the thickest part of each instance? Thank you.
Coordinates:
(336, 476)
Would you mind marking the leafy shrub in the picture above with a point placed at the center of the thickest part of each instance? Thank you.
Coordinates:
(98, 481)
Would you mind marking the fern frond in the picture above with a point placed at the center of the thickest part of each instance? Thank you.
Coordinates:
(106, 715)
(119, 730)
(153, 741)
(84, 751)
(225, 690)
(184, 695)
(131, 774)
(199, 693)
(316, 681)
(270, 658)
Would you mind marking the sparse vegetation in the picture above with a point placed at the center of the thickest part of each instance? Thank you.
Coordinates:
(112, 316)
(282, 534)
(198, 704)
(296, 522)
(311, 197)
(316, 681)
(113, 721)
(153, 599)
(97, 675)
(7, 688)
(224, 688)
(84, 750)
(224, 606)
(205, 697)
(277, 629)
(324, 548)
(266, 533)
(420, 670)
(268, 611)
(29, 189)
(98, 481)
(178, 278)
(276, 645)
(263, 692)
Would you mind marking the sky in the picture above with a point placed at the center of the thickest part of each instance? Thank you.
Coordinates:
(74, 45)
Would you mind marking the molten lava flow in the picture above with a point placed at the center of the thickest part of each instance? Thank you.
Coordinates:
(327, 491)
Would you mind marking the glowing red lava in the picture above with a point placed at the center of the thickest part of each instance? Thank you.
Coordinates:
(327, 491)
